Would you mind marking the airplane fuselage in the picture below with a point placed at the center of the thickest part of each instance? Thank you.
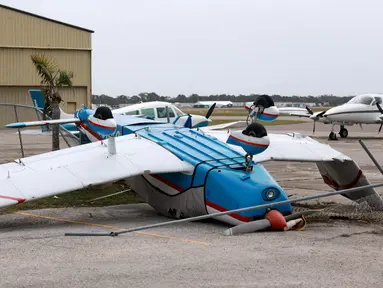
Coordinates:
(353, 114)
(220, 180)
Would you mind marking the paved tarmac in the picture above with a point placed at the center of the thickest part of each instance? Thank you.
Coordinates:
(35, 253)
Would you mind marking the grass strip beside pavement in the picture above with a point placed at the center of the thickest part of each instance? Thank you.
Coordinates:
(81, 198)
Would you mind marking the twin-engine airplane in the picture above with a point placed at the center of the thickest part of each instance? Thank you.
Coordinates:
(180, 171)
(361, 109)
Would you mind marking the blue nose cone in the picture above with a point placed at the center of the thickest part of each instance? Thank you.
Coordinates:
(228, 189)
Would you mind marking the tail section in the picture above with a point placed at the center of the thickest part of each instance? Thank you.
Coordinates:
(38, 102)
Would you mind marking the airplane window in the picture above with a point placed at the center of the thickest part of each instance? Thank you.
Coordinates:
(161, 112)
(362, 99)
(135, 112)
(378, 100)
(178, 111)
(148, 112)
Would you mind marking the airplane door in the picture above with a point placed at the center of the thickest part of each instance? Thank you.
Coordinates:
(161, 114)
(71, 107)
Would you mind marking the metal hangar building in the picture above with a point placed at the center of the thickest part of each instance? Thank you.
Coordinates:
(23, 34)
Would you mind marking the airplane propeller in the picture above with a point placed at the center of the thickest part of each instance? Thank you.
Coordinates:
(309, 110)
(210, 111)
(314, 117)
(381, 111)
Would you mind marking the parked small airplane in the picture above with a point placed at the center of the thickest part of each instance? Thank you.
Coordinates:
(155, 110)
(179, 170)
(361, 109)
(282, 110)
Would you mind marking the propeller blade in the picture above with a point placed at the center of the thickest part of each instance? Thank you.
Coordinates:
(380, 128)
(321, 114)
(210, 111)
(379, 108)
(309, 110)
(314, 127)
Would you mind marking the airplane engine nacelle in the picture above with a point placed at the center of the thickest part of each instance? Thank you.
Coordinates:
(263, 108)
(102, 121)
(253, 139)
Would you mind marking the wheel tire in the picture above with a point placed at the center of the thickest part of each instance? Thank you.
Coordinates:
(332, 136)
(343, 133)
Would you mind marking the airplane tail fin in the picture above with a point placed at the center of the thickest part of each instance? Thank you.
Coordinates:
(38, 102)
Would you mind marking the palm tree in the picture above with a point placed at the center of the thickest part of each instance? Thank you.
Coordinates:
(52, 78)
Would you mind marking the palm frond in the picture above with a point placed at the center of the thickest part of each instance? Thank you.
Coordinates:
(64, 79)
(45, 68)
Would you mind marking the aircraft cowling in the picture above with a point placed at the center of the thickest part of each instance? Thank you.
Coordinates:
(253, 139)
(269, 114)
(102, 121)
(263, 108)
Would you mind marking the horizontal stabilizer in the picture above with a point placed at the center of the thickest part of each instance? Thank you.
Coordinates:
(41, 123)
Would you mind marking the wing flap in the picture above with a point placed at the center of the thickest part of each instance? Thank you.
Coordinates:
(74, 168)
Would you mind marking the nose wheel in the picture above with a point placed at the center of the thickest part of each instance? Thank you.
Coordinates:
(332, 136)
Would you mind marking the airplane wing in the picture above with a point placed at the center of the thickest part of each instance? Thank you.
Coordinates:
(41, 123)
(300, 114)
(227, 125)
(78, 167)
(287, 147)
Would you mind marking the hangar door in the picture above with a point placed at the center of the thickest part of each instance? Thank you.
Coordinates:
(73, 99)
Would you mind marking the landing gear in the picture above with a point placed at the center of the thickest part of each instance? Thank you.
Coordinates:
(343, 132)
(332, 136)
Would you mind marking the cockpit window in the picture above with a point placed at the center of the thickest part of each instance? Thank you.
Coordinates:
(378, 100)
(161, 112)
(178, 111)
(362, 99)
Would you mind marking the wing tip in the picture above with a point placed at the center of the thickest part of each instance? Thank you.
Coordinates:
(15, 125)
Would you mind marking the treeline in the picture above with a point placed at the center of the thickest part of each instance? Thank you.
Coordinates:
(146, 97)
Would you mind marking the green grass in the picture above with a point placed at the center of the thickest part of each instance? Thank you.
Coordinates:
(81, 198)
(273, 123)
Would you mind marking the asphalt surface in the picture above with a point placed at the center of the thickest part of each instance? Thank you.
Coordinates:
(35, 253)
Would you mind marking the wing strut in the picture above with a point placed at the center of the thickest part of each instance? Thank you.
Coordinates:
(112, 145)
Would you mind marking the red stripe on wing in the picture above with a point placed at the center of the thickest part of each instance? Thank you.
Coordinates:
(19, 200)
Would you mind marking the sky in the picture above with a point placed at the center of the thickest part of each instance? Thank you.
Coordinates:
(171, 47)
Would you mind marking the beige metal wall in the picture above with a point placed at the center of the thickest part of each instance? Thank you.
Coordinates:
(18, 29)
(20, 95)
(22, 35)
(17, 69)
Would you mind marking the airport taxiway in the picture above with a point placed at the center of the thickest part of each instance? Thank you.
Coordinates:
(35, 253)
